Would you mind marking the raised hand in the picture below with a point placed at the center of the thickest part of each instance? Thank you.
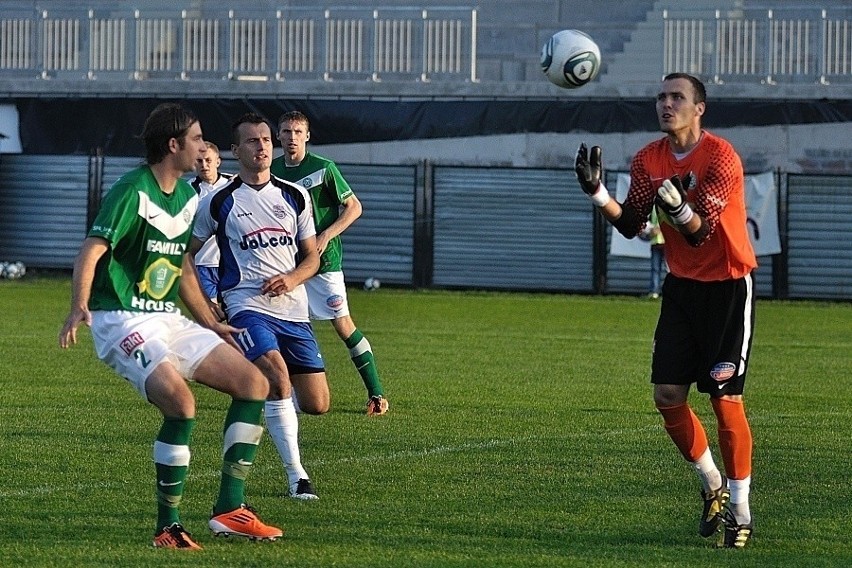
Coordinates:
(671, 198)
(588, 168)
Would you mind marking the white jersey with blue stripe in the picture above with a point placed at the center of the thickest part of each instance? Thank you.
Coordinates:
(209, 253)
(258, 232)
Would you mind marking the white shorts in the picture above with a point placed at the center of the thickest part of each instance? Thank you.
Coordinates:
(327, 296)
(134, 343)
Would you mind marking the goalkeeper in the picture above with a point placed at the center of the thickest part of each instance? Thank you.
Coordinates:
(704, 333)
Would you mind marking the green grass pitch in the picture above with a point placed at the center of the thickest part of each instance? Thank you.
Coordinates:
(521, 434)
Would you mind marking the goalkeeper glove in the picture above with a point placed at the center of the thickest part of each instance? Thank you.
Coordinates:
(671, 198)
(588, 168)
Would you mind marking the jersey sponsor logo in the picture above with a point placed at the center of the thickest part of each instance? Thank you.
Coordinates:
(334, 301)
(258, 240)
(722, 372)
(165, 247)
(105, 232)
(131, 342)
(152, 305)
(159, 278)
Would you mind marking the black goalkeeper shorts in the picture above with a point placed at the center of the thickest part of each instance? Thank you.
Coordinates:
(704, 334)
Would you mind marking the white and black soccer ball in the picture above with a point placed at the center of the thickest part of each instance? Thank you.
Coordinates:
(371, 284)
(570, 59)
(14, 270)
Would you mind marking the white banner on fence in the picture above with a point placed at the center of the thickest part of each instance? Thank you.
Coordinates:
(10, 139)
(761, 209)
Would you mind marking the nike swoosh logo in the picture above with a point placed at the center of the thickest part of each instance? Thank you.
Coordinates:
(155, 215)
(243, 462)
(164, 484)
(362, 366)
(723, 385)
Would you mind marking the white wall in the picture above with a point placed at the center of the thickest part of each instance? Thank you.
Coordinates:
(821, 148)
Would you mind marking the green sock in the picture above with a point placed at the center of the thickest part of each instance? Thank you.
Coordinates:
(242, 436)
(362, 356)
(171, 460)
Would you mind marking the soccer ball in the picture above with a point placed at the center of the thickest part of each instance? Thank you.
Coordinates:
(14, 270)
(371, 284)
(570, 59)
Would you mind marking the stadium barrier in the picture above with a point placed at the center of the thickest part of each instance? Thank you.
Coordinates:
(248, 44)
(436, 226)
(431, 51)
(767, 45)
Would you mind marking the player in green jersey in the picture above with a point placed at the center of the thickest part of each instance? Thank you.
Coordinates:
(132, 268)
(335, 208)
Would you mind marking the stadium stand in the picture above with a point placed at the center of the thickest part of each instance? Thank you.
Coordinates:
(432, 49)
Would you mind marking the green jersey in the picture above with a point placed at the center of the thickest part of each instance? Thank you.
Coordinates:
(329, 190)
(148, 232)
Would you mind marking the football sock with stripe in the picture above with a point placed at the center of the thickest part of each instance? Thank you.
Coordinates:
(171, 461)
(242, 433)
(361, 353)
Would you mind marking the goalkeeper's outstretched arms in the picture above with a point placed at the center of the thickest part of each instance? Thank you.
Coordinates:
(589, 175)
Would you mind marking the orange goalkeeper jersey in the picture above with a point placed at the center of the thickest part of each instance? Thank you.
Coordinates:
(716, 192)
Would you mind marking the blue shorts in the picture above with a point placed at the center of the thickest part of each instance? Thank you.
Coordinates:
(208, 277)
(294, 340)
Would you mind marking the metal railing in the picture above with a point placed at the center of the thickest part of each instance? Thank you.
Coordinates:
(331, 43)
(200, 40)
(767, 46)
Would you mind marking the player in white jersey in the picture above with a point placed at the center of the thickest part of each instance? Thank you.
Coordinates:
(267, 241)
(209, 180)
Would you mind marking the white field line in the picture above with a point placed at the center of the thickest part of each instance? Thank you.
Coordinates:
(407, 454)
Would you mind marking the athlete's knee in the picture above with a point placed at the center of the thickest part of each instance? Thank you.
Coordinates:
(279, 386)
(312, 393)
(666, 396)
(249, 383)
(313, 402)
(314, 407)
(170, 393)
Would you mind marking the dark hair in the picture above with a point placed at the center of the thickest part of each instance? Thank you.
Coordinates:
(700, 93)
(167, 121)
(293, 116)
(247, 118)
